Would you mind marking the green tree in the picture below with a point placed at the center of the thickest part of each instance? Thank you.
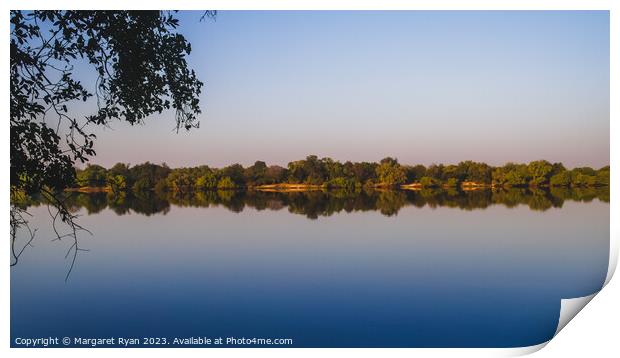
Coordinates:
(256, 173)
(146, 176)
(296, 171)
(580, 179)
(332, 169)
(117, 183)
(458, 173)
(476, 172)
(602, 176)
(275, 174)
(141, 185)
(498, 176)
(181, 181)
(313, 167)
(435, 171)
(206, 182)
(92, 176)
(235, 173)
(390, 172)
(415, 173)
(364, 171)
(561, 179)
(540, 171)
(517, 175)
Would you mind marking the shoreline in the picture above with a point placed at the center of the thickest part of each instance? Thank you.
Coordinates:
(90, 189)
(285, 187)
(292, 188)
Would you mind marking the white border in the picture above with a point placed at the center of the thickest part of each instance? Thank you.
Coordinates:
(596, 333)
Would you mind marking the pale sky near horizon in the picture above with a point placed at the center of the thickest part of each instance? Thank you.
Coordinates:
(425, 87)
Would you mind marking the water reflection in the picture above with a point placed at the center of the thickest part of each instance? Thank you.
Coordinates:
(238, 264)
(314, 204)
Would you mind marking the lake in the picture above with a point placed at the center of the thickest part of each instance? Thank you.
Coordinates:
(434, 268)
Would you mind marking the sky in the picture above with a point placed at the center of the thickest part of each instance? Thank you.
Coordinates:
(424, 87)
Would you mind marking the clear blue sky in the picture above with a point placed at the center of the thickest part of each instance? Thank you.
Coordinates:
(425, 87)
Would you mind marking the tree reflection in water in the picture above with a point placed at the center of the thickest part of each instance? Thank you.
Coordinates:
(314, 204)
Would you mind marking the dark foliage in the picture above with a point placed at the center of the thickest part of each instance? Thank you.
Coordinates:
(141, 67)
(140, 62)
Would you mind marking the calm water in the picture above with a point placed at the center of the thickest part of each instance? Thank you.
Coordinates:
(386, 269)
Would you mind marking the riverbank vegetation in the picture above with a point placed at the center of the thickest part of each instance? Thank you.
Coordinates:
(313, 173)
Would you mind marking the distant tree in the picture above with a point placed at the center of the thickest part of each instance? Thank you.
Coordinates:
(389, 172)
(435, 171)
(364, 171)
(206, 182)
(477, 172)
(93, 175)
(453, 172)
(141, 185)
(602, 176)
(332, 169)
(181, 181)
(235, 173)
(147, 175)
(561, 179)
(119, 169)
(517, 175)
(118, 183)
(296, 172)
(347, 170)
(579, 178)
(557, 168)
(498, 176)
(275, 174)
(313, 167)
(415, 173)
(585, 171)
(256, 173)
(540, 172)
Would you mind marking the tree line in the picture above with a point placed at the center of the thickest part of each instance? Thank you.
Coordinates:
(328, 173)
